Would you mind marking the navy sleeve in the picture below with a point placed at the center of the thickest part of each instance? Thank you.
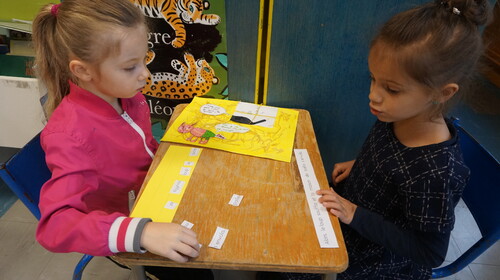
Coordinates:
(425, 248)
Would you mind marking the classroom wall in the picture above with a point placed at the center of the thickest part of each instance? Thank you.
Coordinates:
(318, 62)
(242, 32)
(21, 9)
(21, 115)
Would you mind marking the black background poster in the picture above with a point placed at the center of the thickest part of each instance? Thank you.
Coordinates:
(188, 55)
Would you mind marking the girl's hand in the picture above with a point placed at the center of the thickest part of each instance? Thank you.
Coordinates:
(337, 205)
(341, 170)
(170, 240)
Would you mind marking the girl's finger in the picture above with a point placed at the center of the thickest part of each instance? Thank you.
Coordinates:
(188, 250)
(175, 256)
(336, 213)
(190, 241)
(188, 232)
(324, 192)
(328, 198)
(336, 204)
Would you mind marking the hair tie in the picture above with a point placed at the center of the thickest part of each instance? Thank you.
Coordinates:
(54, 9)
(454, 10)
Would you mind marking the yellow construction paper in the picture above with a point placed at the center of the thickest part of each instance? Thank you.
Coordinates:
(272, 138)
(163, 193)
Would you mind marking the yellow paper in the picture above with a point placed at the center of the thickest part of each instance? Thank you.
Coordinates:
(163, 193)
(208, 123)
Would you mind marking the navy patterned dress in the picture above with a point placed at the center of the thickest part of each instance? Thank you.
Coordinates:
(406, 199)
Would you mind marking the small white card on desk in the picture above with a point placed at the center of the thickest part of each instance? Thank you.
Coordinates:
(324, 229)
(177, 186)
(185, 171)
(170, 205)
(187, 224)
(194, 152)
(218, 238)
(236, 200)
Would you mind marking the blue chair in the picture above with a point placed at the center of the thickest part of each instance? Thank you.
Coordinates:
(481, 197)
(25, 173)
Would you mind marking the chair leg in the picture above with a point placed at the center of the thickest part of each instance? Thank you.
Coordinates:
(77, 274)
(330, 276)
(138, 272)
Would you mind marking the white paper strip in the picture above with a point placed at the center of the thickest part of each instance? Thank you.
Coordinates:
(185, 171)
(236, 200)
(218, 238)
(194, 152)
(170, 205)
(177, 187)
(187, 224)
(324, 229)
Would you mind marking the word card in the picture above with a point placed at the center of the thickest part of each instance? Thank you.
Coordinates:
(235, 200)
(218, 238)
(324, 229)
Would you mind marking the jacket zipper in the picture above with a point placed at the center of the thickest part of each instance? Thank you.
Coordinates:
(131, 122)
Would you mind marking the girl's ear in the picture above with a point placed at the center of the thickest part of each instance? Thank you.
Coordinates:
(80, 70)
(448, 91)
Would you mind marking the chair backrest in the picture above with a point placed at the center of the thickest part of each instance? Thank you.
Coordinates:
(26, 172)
(482, 193)
(481, 197)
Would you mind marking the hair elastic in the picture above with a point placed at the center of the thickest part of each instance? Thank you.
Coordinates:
(54, 9)
(446, 4)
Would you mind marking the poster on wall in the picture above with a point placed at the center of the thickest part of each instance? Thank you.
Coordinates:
(188, 55)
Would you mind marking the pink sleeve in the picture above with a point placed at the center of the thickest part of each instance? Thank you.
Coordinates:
(67, 223)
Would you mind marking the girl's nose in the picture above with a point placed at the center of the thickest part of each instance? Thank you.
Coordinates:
(374, 96)
(145, 73)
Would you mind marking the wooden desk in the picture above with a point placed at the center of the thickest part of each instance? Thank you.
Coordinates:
(271, 230)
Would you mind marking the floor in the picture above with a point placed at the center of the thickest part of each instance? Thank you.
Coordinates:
(22, 258)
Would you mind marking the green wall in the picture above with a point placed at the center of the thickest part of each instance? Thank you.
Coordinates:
(21, 9)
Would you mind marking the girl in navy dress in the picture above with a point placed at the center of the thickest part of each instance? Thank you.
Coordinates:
(396, 200)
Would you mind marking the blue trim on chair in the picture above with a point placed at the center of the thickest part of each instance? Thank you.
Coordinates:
(77, 274)
(25, 173)
(481, 197)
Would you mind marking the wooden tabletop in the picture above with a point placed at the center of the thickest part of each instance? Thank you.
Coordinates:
(271, 230)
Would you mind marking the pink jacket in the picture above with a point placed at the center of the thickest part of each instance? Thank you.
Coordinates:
(96, 157)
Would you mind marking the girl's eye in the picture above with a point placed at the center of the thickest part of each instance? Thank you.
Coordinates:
(129, 68)
(392, 91)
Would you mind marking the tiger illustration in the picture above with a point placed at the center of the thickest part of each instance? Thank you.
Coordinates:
(195, 78)
(176, 13)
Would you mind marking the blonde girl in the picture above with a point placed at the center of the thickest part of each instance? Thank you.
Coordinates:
(90, 55)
